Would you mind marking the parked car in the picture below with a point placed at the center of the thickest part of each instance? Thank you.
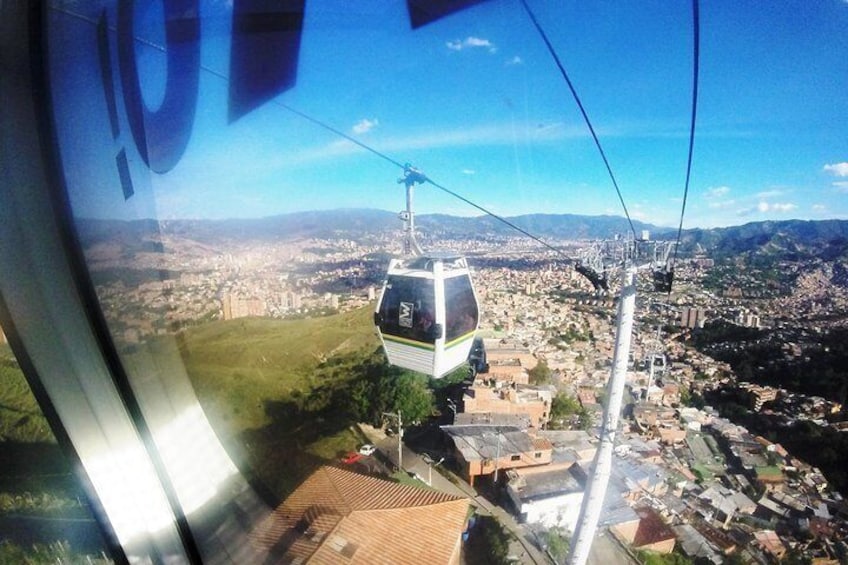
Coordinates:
(367, 449)
(351, 458)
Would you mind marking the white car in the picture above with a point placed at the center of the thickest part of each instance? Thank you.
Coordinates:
(367, 449)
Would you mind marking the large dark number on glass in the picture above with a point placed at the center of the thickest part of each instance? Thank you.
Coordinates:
(264, 52)
(105, 61)
(161, 136)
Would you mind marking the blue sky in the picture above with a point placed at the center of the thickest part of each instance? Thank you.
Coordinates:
(476, 102)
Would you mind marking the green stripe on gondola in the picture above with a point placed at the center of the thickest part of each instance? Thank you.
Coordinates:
(459, 340)
(410, 342)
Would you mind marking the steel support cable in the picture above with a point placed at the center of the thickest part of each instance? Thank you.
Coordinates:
(695, 71)
(495, 216)
(425, 177)
(562, 71)
(398, 164)
(696, 34)
(350, 138)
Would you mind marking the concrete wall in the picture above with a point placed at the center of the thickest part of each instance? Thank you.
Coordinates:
(562, 510)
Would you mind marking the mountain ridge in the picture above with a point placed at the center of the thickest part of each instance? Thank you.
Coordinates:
(826, 239)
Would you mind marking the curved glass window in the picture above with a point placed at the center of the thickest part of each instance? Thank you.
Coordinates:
(460, 308)
(222, 181)
(44, 516)
(408, 308)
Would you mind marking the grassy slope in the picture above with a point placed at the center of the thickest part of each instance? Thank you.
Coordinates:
(34, 474)
(252, 375)
(236, 366)
(21, 419)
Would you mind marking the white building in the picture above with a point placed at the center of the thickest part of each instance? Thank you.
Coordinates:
(549, 498)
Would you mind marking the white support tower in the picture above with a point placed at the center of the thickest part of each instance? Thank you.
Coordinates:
(411, 176)
(593, 498)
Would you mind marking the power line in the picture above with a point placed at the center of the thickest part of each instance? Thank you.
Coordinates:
(562, 71)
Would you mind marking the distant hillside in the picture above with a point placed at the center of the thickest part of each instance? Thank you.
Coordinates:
(790, 239)
(351, 224)
(558, 226)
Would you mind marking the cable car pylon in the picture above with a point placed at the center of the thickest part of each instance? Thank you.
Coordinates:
(629, 253)
(410, 177)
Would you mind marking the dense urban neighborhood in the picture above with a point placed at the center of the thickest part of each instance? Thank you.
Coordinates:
(721, 455)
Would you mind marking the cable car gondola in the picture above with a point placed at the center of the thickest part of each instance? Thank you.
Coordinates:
(427, 315)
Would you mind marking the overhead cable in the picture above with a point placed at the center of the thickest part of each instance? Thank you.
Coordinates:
(562, 71)
(350, 138)
(495, 216)
(695, 71)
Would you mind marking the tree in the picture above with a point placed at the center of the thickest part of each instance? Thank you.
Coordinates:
(540, 374)
(564, 410)
(685, 396)
(412, 397)
(488, 543)
(584, 420)
(558, 543)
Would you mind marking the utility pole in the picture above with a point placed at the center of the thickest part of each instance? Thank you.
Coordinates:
(400, 436)
(430, 464)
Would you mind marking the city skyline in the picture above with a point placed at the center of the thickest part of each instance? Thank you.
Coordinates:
(476, 102)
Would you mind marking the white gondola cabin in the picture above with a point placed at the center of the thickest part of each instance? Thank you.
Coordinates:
(427, 314)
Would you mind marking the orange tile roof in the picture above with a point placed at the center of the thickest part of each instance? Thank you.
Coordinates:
(337, 516)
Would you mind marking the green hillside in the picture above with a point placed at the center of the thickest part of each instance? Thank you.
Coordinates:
(276, 390)
(238, 365)
(21, 419)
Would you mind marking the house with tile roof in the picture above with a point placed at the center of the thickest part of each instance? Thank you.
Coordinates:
(340, 517)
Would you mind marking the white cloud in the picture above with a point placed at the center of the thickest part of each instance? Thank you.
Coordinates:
(717, 192)
(820, 207)
(365, 125)
(471, 42)
(469, 172)
(841, 185)
(769, 193)
(764, 207)
(776, 207)
(514, 61)
(838, 169)
(720, 204)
